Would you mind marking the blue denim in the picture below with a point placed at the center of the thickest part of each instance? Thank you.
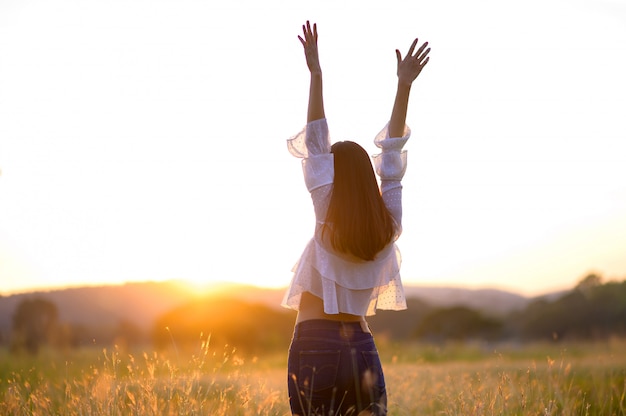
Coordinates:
(334, 369)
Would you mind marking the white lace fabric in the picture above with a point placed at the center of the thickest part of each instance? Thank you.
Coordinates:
(345, 284)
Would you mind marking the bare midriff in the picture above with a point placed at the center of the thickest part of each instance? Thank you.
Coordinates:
(312, 307)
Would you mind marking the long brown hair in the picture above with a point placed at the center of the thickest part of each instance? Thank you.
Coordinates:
(357, 220)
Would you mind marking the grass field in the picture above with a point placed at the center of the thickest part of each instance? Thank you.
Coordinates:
(550, 379)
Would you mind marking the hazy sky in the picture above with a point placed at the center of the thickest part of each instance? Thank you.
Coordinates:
(145, 140)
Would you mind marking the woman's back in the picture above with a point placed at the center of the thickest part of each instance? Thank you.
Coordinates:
(331, 268)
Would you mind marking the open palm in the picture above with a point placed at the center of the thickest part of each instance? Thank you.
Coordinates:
(411, 66)
(309, 42)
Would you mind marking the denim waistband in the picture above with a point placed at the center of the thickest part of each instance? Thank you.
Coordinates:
(343, 328)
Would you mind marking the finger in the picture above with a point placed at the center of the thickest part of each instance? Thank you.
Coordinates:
(398, 56)
(303, 32)
(306, 32)
(302, 40)
(312, 32)
(410, 52)
(420, 50)
(423, 56)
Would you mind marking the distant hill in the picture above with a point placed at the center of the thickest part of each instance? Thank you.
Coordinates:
(139, 303)
(489, 301)
(143, 303)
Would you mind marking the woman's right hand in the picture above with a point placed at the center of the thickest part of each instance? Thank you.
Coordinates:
(309, 42)
(411, 66)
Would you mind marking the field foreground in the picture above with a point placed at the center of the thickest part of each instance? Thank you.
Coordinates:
(550, 379)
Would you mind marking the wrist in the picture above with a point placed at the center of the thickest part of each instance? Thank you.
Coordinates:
(404, 84)
(404, 89)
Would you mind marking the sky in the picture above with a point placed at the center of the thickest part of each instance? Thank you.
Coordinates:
(146, 139)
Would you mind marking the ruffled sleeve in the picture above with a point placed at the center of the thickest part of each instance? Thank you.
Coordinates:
(313, 139)
(312, 144)
(390, 164)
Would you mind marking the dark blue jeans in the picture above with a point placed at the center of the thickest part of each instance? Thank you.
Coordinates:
(334, 369)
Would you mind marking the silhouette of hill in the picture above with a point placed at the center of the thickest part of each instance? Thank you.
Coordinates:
(489, 301)
(103, 306)
(143, 303)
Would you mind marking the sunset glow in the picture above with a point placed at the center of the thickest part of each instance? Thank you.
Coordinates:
(145, 140)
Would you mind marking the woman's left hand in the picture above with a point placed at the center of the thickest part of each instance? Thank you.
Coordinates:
(309, 42)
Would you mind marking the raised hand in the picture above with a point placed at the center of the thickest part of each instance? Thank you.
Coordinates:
(411, 66)
(408, 69)
(309, 42)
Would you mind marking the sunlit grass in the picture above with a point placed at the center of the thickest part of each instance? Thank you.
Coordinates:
(455, 379)
(109, 382)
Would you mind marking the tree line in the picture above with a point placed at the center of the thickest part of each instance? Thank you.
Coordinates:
(593, 310)
(36, 324)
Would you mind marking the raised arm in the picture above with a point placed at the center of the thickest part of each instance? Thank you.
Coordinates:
(316, 99)
(408, 70)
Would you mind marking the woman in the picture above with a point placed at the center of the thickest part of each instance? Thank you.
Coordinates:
(351, 266)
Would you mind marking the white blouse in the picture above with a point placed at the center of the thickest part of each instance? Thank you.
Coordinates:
(348, 284)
